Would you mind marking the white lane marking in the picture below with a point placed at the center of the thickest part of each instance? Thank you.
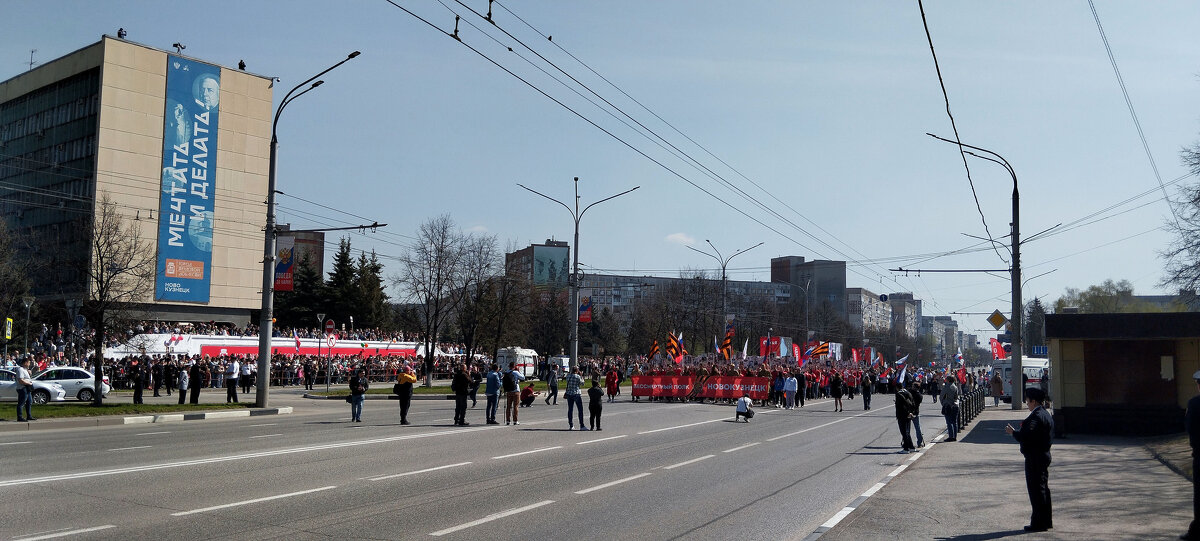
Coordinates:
(740, 448)
(527, 452)
(491, 517)
(264, 424)
(683, 426)
(837, 518)
(898, 469)
(871, 491)
(612, 483)
(152, 433)
(823, 426)
(64, 534)
(230, 458)
(601, 439)
(265, 436)
(131, 448)
(686, 462)
(382, 477)
(913, 457)
(15, 442)
(247, 502)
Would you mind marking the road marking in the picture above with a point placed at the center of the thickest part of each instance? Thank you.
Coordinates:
(230, 458)
(247, 502)
(871, 491)
(382, 477)
(601, 439)
(898, 469)
(823, 426)
(15, 443)
(686, 462)
(64, 534)
(265, 436)
(740, 448)
(837, 517)
(682, 426)
(132, 448)
(151, 433)
(527, 452)
(266, 424)
(612, 483)
(491, 517)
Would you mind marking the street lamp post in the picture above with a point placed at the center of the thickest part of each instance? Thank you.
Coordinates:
(576, 214)
(268, 290)
(1018, 396)
(724, 262)
(28, 301)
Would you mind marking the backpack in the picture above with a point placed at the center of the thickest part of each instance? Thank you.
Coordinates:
(509, 382)
(904, 401)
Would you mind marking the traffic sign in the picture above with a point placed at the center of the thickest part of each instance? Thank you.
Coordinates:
(8, 328)
(1040, 351)
(997, 320)
(330, 327)
(331, 340)
(1004, 337)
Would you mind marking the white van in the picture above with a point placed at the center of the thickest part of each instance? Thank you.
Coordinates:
(525, 359)
(1033, 367)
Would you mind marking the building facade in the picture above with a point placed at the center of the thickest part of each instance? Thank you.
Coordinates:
(866, 311)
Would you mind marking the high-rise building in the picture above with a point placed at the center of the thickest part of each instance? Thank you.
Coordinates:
(821, 283)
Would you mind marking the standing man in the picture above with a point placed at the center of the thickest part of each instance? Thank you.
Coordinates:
(156, 376)
(997, 388)
(491, 392)
(24, 391)
(1191, 420)
(512, 392)
(404, 391)
(1034, 437)
(184, 379)
(949, 398)
(574, 400)
(460, 385)
(231, 379)
(135, 375)
(195, 381)
(552, 384)
(868, 384)
(904, 415)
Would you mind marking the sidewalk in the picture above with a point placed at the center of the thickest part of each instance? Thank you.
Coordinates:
(974, 489)
(207, 396)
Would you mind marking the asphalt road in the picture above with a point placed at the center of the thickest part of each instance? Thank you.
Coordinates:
(656, 471)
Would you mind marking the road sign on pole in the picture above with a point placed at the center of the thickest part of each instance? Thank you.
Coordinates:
(330, 327)
(8, 328)
(997, 319)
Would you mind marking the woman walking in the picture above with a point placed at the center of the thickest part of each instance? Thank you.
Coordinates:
(835, 389)
(358, 391)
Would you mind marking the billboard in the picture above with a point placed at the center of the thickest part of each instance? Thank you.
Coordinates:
(284, 262)
(551, 265)
(185, 225)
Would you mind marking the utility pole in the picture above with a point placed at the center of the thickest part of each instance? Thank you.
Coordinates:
(724, 262)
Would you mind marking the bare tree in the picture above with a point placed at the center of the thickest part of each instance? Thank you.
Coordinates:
(1183, 254)
(119, 274)
(480, 265)
(14, 283)
(434, 278)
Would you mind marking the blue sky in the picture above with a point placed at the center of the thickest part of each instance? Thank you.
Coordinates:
(822, 106)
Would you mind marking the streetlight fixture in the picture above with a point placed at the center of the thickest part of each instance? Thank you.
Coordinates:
(27, 301)
(1018, 400)
(268, 290)
(724, 262)
(576, 214)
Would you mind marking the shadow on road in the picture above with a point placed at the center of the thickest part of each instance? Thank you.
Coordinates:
(984, 432)
(982, 536)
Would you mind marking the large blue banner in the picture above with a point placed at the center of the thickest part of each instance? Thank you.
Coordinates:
(189, 171)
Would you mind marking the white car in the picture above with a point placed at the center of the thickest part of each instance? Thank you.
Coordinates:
(78, 382)
(42, 391)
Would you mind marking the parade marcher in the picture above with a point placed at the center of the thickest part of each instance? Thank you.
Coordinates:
(868, 384)
(358, 391)
(904, 415)
(949, 398)
(743, 410)
(1034, 437)
(574, 400)
(789, 391)
(184, 377)
(835, 384)
(491, 392)
(552, 384)
(595, 405)
(460, 385)
(917, 398)
(801, 387)
(997, 388)
(1191, 421)
(24, 392)
(404, 391)
(511, 383)
(612, 382)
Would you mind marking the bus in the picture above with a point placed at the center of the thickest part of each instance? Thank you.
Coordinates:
(1035, 368)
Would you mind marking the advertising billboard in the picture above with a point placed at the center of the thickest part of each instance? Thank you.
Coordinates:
(551, 265)
(284, 262)
(185, 228)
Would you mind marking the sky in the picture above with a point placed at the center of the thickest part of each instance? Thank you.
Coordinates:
(801, 125)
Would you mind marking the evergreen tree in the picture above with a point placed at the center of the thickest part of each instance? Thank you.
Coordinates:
(299, 307)
(343, 300)
(373, 308)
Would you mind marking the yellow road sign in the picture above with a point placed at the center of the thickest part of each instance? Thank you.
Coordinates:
(8, 328)
(997, 319)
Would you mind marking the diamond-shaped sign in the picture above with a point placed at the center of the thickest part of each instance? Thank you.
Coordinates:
(997, 319)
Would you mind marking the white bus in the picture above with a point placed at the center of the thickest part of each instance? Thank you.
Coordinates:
(1033, 367)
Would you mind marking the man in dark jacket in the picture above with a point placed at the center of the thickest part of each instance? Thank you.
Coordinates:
(1034, 437)
(1192, 422)
(904, 415)
(460, 385)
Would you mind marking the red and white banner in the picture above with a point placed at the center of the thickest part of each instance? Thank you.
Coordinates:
(662, 386)
(711, 387)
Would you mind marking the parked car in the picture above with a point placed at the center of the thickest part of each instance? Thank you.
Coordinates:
(43, 391)
(78, 382)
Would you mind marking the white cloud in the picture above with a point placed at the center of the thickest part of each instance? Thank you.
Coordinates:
(681, 238)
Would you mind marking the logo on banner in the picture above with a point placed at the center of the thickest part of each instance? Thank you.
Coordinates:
(284, 263)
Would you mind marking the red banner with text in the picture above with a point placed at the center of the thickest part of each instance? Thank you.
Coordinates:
(662, 386)
(712, 387)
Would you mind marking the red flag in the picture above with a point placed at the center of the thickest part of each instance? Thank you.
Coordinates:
(962, 375)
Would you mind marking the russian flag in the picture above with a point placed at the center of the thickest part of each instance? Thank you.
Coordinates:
(960, 357)
(902, 360)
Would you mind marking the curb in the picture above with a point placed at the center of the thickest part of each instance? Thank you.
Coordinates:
(381, 397)
(1170, 465)
(141, 419)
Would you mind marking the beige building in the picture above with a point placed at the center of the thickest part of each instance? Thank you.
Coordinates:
(91, 125)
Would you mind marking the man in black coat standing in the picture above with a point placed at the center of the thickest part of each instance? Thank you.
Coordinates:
(1192, 422)
(460, 385)
(1034, 437)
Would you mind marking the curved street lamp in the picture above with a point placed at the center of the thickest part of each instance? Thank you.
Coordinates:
(268, 291)
(724, 262)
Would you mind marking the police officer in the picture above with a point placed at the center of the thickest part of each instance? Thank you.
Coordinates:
(1192, 421)
(1034, 437)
